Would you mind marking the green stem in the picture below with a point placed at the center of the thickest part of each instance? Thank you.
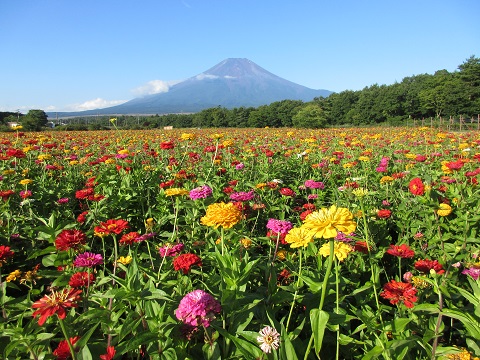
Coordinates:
(324, 290)
(296, 290)
(337, 302)
(70, 346)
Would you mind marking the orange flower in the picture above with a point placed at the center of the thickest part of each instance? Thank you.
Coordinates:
(56, 303)
(111, 227)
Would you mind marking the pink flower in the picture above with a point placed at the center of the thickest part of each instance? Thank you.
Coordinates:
(201, 192)
(170, 250)
(88, 259)
(279, 226)
(314, 184)
(242, 196)
(198, 308)
(473, 272)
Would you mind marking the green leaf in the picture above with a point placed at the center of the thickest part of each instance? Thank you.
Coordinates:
(212, 351)
(286, 350)
(247, 349)
(319, 320)
(85, 354)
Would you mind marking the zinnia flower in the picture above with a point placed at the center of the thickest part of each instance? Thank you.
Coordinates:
(176, 192)
(201, 192)
(298, 237)
(62, 352)
(384, 213)
(279, 226)
(312, 184)
(111, 227)
(426, 265)
(5, 254)
(171, 250)
(444, 210)
(185, 261)
(221, 214)
(242, 196)
(109, 355)
(56, 303)
(396, 292)
(473, 272)
(70, 239)
(81, 278)
(198, 308)
(287, 192)
(326, 223)
(416, 186)
(340, 250)
(88, 259)
(269, 339)
(129, 238)
(403, 251)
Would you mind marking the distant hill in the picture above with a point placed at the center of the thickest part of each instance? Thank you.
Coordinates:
(232, 83)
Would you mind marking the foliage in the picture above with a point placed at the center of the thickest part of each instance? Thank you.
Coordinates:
(122, 200)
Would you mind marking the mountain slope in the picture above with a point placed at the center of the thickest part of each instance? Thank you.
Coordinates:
(231, 83)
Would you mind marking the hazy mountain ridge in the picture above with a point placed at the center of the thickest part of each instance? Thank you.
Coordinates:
(231, 83)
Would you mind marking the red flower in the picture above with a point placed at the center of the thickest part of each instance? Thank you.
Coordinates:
(80, 279)
(273, 237)
(62, 352)
(454, 165)
(70, 239)
(111, 227)
(361, 246)
(396, 292)
(384, 213)
(56, 303)
(5, 194)
(109, 355)
(82, 217)
(84, 193)
(129, 239)
(287, 192)
(403, 251)
(186, 261)
(5, 254)
(416, 186)
(304, 214)
(166, 145)
(426, 265)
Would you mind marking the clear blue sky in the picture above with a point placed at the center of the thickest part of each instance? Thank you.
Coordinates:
(60, 55)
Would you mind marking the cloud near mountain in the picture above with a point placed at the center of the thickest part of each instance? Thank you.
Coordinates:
(154, 87)
(95, 104)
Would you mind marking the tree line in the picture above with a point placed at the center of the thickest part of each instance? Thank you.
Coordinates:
(443, 94)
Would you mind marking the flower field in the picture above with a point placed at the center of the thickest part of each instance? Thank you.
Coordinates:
(240, 244)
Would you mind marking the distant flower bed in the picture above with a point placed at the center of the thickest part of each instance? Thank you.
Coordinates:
(240, 244)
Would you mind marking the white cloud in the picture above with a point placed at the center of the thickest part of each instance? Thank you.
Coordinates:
(154, 87)
(97, 103)
(205, 76)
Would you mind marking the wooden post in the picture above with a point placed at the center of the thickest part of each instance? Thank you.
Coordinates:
(461, 120)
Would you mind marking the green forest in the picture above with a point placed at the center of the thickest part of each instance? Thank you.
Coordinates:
(442, 95)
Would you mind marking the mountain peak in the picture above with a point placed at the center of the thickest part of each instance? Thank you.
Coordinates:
(237, 67)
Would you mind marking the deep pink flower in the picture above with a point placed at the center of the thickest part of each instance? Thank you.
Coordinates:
(88, 259)
(279, 226)
(198, 308)
(473, 272)
(171, 250)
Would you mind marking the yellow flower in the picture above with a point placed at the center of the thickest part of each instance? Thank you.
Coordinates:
(326, 223)
(110, 161)
(123, 152)
(186, 136)
(149, 223)
(43, 157)
(444, 210)
(25, 182)
(260, 185)
(360, 192)
(282, 255)
(419, 283)
(14, 275)
(113, 120)
(17, 127)
(246, 243)
(298, 237)
(386, 179)
(364, 158)
(216, 136)
(176, 191)
(8, 172)
(340, 250)
(125, 260)
(221, 214)
(227, 143)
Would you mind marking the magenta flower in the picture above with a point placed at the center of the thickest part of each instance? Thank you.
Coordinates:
(201, 192)
(170, 250)
(242, 196)
(311, 184)
(88, 259)
(473, 272)
(239, 166)
(198, 308)
(279, 226)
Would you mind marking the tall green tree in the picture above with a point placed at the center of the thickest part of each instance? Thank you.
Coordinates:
(35, 120)
(310, 116)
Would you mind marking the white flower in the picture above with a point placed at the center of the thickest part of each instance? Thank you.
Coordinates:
(278, 181)
(269, 338)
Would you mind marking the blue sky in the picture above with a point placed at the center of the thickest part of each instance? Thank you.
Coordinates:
(62, 55)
